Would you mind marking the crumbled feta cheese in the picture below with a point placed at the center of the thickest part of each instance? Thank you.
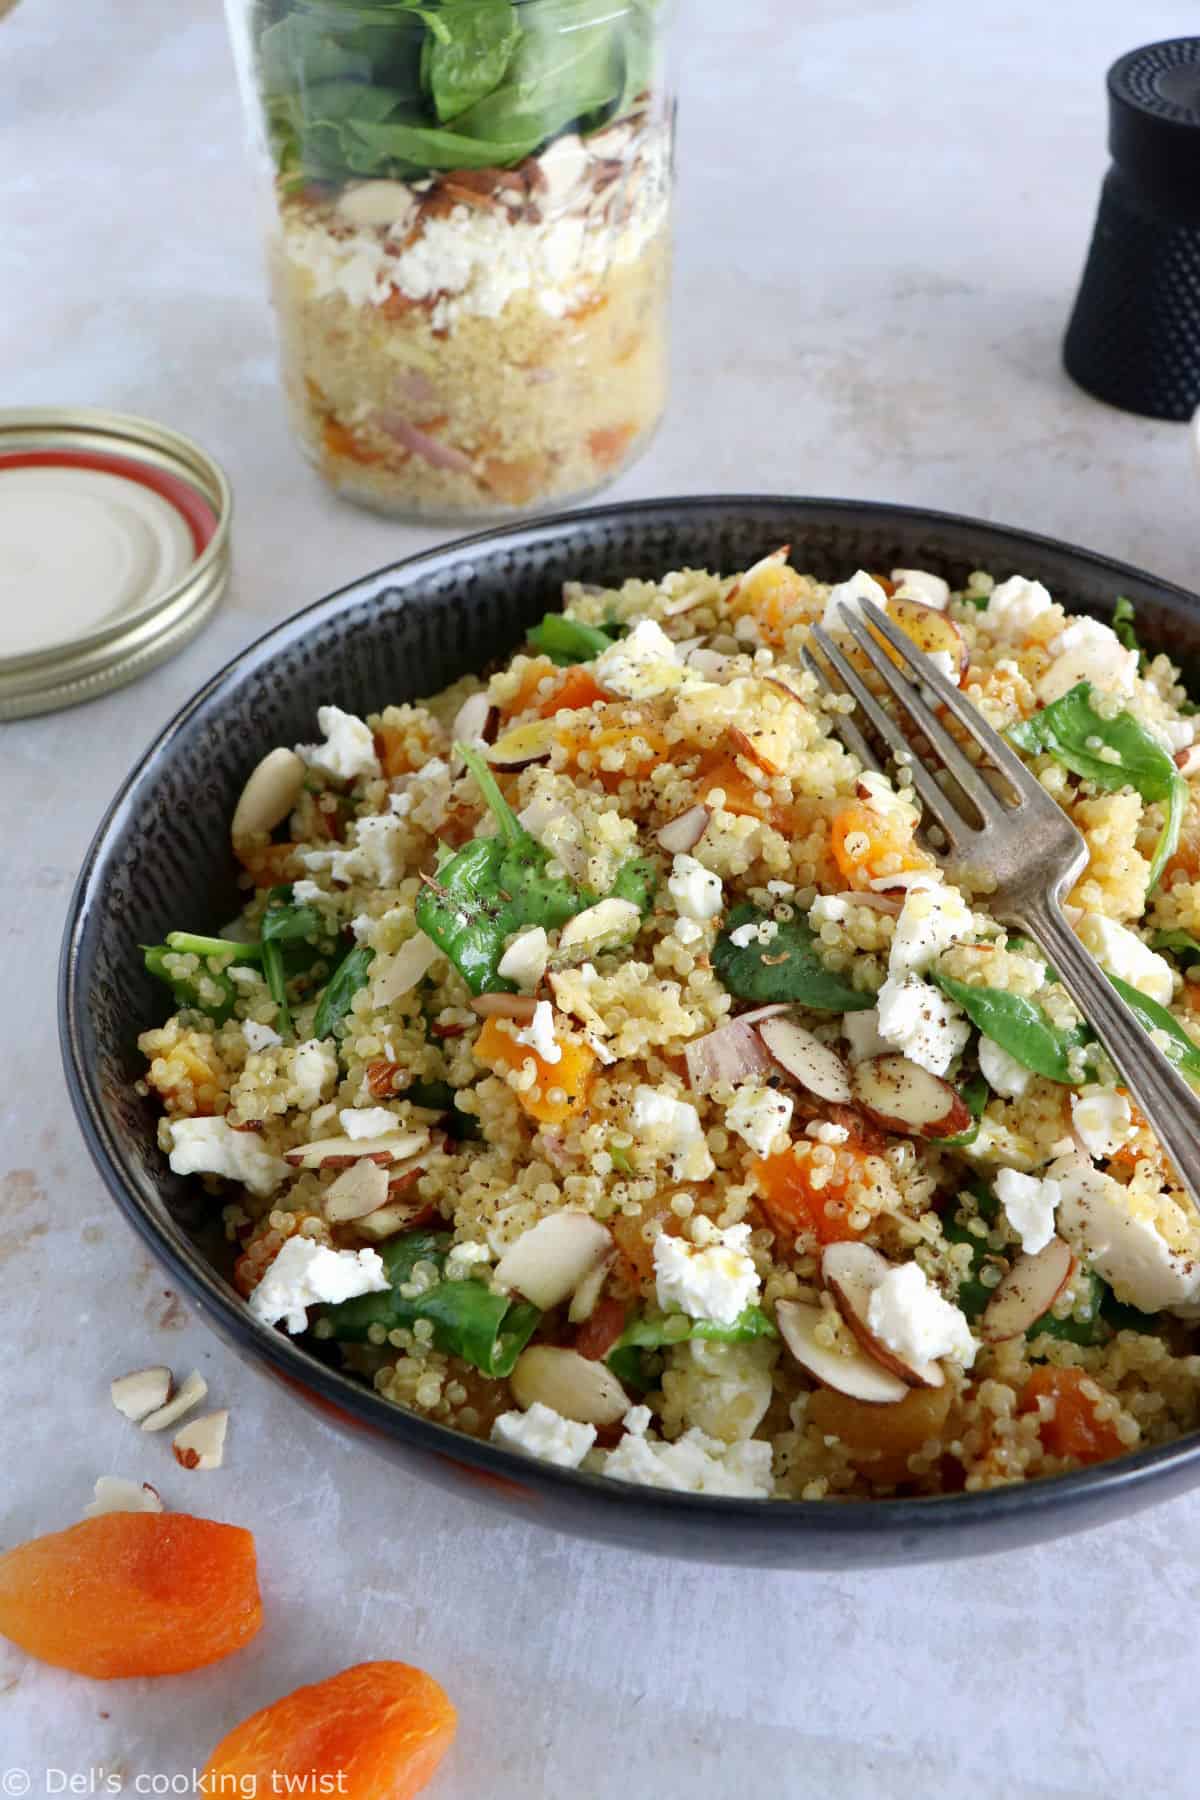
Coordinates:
(432, 769)
(307, 893)
(671, 1127)
(367, 1121)
(861, 1032)
(1123, 954)
(713, 1281)
(781, 889)
(1029, 1206)
(312, 1067)
(348, 750)
(377, 854)
(1002, 1072)
(851, 594)
(687, 931)
(544, 1433)
(743, 936)
(539, 1034)
(525, 959)
(945, 664)
(694, 1463)
(913, 1319)
(930, 921)
(696, 891)
(758, 1115)
(210, 1146)
(259, 1037)
(462, 1258)
(1014, 606)
(881, 796)
(1088, 651)
(1103, 1120)
(919, 584)
(306, 1274)
(827, 909)
(400, 803)
(640, 665)
(922, 1023)
(722, 1389)
(1117, 1231)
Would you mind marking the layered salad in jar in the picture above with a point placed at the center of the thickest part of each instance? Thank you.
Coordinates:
(470, 253)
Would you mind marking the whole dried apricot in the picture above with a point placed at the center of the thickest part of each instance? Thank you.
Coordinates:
(132, 1594)
(377, 1731)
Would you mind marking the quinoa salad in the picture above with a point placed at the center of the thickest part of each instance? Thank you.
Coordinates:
(603, 1064)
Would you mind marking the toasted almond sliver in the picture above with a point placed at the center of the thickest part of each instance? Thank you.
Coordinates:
(141, 1392)
(201, 1444)
(269, 795)
(190, 1394)
(358, 1190)
(340, 1152)
(115, 1494)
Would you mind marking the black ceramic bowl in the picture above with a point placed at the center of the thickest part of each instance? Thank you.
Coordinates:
(161, 856)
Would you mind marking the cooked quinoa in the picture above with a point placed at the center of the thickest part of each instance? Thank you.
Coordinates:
(602, 1063)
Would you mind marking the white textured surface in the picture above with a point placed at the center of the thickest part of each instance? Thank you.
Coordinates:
(884, 210)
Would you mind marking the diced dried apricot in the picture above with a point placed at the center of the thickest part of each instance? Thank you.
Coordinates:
(601, 1329)
(798, 1194)
(640, 741)
(534, 672)
(577, 689)
(867, 844)
(392, 752)
(609, 443)
(1074, 1430)
(268, 865)
(518, 480)
(772, 594)
(340, 441)
(132, 1594)
(498, 1049)
(634, 1253)
(880, 1439)
(376, 1731)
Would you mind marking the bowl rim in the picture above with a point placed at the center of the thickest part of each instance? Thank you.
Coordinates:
(929, 1516)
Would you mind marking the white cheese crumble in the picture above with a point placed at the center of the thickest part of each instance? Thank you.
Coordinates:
(696, 891)
(210, 1146)
(1088, 651)
(305, 1274)
(1117, 1232)
(259, 1037)
(1103, 1120)
(307, 893)
(930, 921)
(913, 1319)
(694, 1463)
(861, 1031)
(544, 1433)
(851, 594)
(922, 1023)
(312, 1067)
(348, 750)
(671, 1127)
(1002, 1072)
(722, 1389)
(1029, 1206)
(687, 931)
(539, 1034)
(525, 959)
(714, 1281)
(1015, 606)
(640, 665)
(828, 909)
(1123, 954)
(758, 1114)
(367, 1121)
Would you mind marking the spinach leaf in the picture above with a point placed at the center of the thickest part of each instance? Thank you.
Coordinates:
(397, 148)
(975, 1095)
(636, 881)
(351, 974)
(466, 53)
(657, 1331)
(285, 924)
(973, 1295)
(1090, 1331)
(1125, 629)
(789, 967)
(569, 640)
(1179, 1047)
(1076, 735)
(1019, 1026)
(487, 1330)
(490, 889)
(1182, 944)
(438, 1096)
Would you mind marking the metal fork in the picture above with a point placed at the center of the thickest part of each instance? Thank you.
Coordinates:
(1026, 843)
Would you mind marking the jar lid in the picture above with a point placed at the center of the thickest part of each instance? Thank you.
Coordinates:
(114, 551)
(1154, 117)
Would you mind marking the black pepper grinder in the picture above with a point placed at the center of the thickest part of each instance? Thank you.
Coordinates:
(1134, 336)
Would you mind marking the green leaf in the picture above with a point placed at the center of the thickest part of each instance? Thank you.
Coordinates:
(351, 974)
(636, 881)
(1179, 1048)
(569, 640)
(438, 1096)
(657, 1331)
(487, 1330)
(787, 968)
(1019, 1026)
(1124, 615)
(465, 57)
(1075, 735)
(974, 1093)
(386, 148)
(186, 990)
(972, 1294)
(568, 66)
(1090, 1331)
(1181, 944)
(190, 943)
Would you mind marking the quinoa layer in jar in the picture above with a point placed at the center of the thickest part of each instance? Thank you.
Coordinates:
(470, 244)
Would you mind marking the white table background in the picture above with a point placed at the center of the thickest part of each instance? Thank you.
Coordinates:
(884, 208)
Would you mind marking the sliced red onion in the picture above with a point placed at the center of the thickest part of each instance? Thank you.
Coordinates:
(412, 387)
(430, 449)
(733, 1052)
(679, 835)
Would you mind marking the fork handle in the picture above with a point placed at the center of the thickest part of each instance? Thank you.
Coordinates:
(1168, 1101)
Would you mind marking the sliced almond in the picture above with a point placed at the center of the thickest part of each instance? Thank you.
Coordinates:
(269, 796)
(201, 1444)
(505, 1006)
(607, 924)
(813, 1064)
(583, 1300)
(1188, 761)
(931, 631)
(381, 204)
(573, 1385)
(1027, 1292)
(902, 1097)
(853, 1373)
(113, 1493)
(141, 1392)
(359, 1190)
(340, 1152)
(190, 1394)
(523, 745)
(734, 1052)
(548, 1262)
(475, 719)
(680, 835)
(883, 903)
(399, 1215)
(852, 1272)
(397, 974)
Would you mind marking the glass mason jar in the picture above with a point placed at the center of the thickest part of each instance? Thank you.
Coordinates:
(469, 240)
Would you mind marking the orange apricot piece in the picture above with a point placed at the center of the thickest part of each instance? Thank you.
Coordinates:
(132, 1594)
(1073, 1430)
(376, 1731)
(498, 1049)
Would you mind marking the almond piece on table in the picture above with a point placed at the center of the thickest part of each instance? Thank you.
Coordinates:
(855, 1374)
(901, 1096)
(810, 1062)
(190, 1394)
(1027, 1292)
(115, 1494)
(852, 1272)
(142, 1391)
(201, 1443)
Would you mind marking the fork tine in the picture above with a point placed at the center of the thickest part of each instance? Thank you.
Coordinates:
(935, 801)
(845, 727)
(909, 696)
(1004, 759)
